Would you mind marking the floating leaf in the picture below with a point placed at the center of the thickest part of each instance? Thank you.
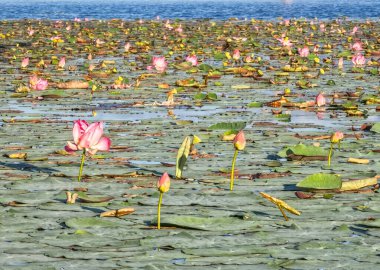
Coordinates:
(321, 181)
(228, 126)
(94, 199)
(303, 150)
(254, 104)
(376, 128)
(358, 184)
(118, 212)
(89, 222)
(206, 223)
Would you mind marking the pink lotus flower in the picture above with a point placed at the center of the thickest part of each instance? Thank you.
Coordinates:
(357, 46)
(159, 63)
(322, 27)
(127, 47)
(248, 59)
(285, 42)
(25, 62)
(236, 54)
(88, 137)
(239, 141)
(354, 30)
(163, 184)
(168, 25)
(337, 137)
(320, 100)
(340, 63)
(37, 83)
(192, 59)
(77, 20)
(179, 29)
(30, 32)
(304, 52)
(358, 60)
(62, 62)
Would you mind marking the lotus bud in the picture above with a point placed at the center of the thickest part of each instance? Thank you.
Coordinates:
(163, 184)
(239, 141)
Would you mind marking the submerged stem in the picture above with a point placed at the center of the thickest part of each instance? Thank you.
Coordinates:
(330, 153)
(159, 211)
(233, 170)
(81, 165)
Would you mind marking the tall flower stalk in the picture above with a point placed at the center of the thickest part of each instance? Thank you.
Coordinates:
(334, 139)
(163, 185)
(239, 145)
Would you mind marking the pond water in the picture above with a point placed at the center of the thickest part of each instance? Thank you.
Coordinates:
(260, 9)
(206, 226)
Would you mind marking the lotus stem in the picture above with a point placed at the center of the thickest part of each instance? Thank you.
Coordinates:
(159, 211)
(330, 153)
(233, 170)
(81, 165)
(282, 212)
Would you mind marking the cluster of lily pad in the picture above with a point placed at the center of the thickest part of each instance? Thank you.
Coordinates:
(290, 55)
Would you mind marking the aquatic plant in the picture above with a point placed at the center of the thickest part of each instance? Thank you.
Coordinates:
(334, 139)
(89, 139)
(239, 145)
(37, 83)
(163, 185)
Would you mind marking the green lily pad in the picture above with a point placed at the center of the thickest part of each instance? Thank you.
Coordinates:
(228, 126)
(376, 128)
(321, 181)
(303, 150)
(89, 222)
(206, 223)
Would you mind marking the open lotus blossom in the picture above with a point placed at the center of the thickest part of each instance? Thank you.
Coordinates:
(25, 62)
(322, 27)
(354, 30)
(357, 46)
(320, 100)
(192, 59)
(62, 62)
(358, 60)
(159, 63)
(304, 52)
(285, 42)
(236, 55)
(179, 29)
(37, 83)
(168, 25)
(127, 47)
(88, 137)
(30, 32)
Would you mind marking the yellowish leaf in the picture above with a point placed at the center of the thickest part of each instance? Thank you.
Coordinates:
(358, 184)
(280, 203)
(118, 213)
(358, 160)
